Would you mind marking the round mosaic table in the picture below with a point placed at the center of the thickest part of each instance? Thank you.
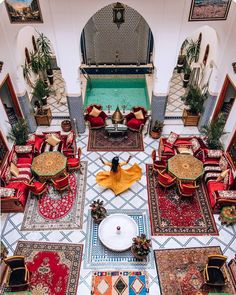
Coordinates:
(117, 231)
(185, 167)
(49, 165)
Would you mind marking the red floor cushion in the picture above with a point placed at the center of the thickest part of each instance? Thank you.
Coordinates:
(135, 123)
(96, 121)
(24, 161)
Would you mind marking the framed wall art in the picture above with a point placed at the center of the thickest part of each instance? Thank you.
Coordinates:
(209, 10)
(24, 11)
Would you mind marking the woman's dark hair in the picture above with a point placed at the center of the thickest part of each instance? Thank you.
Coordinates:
(115, 164)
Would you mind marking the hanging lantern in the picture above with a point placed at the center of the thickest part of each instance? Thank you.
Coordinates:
(118, 14)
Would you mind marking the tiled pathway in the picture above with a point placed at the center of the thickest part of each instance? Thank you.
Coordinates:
(133, 199)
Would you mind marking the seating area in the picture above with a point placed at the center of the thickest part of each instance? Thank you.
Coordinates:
(17, 178)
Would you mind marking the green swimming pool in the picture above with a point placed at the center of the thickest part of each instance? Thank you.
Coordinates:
(117, 92)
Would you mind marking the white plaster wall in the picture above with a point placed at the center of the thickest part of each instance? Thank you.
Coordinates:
(63, 22)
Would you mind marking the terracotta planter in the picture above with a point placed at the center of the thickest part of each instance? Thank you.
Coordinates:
(66, 125)
(138, 256)
(155, 134)
(99, 219)
(189, 119)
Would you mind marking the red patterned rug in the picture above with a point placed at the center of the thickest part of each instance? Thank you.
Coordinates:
(58, 211)
(179, 271)
(54, 268)
(172, 215)
(100, 142)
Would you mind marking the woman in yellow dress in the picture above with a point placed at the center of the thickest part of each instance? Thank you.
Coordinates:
(118, 179)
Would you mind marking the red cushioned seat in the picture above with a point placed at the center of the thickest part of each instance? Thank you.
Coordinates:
(73, 161)
(96, 121)
(212, 186)
(135, 123)
(24, 161)
(168, 150)
(180, 141)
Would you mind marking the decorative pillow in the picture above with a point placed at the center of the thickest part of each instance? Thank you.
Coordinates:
(56, 134)
(31, 138)
(23, 149)
(70, 138)
(226, 179)
(172, 139)
(223, 163)
(195, 145)
(214, 153)
(223, 175)
(38, 143)
(184, 150)
(7, 174)
(14, 170)
(139, 115)
(53, 140)
(14, 158)
(6, 192)
(95, 112)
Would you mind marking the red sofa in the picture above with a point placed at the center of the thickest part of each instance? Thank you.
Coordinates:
(67, 145)
(134, 123)
(98, 121)
(13, 190)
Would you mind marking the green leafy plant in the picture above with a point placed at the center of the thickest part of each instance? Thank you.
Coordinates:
(194, 99)
(214, 131)
(141, 245)
(158, 126)
(19, 132)
(192, 51)
(40, 90)
(98, 212)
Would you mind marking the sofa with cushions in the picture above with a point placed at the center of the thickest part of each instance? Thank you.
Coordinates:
(53, 141)
(95, 116)
(136, 120)
(218, 177)
(170, 146)
(16, 171)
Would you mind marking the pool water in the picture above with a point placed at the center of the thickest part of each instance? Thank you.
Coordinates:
(117, 92)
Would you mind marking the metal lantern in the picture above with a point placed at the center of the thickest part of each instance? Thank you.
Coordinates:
(118, 14)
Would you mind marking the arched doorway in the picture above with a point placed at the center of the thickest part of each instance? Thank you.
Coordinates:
(121, 50)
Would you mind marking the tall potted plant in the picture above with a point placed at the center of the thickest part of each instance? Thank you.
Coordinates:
(214, 131)
(194, 100)
(40, 92)
(19, 132)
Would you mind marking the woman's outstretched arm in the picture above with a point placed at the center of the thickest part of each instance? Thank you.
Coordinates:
(105, 163)
(124, 163)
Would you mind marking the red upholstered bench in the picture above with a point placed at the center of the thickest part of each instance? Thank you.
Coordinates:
(223, 198)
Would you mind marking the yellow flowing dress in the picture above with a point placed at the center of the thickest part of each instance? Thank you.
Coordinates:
(121, 180)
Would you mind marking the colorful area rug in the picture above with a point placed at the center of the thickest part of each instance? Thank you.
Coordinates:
(98, 141)
(54, 268)
(120, 282)
(172, 215)
(55, 211)
(179, 271)
(98, 256)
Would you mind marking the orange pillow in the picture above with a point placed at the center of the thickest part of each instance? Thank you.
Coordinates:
(139, 115)
(222, 175)
(95, 112)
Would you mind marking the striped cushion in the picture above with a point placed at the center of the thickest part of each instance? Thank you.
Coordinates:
(24, 173)
(46, 147)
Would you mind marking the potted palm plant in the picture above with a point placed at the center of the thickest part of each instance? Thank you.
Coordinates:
(194, 100)
(43, 116)
(156, 129)
(214, 131)
(98, 212)
(141, 246)
(19, 132)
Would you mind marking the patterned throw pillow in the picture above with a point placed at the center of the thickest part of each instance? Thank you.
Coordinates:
(172, 139)
(53, 140)
(7, 174)
(56, 134)
(95, 112)
(70, 138)
(214, 153)
(223, 163)
(23, 149)
(139, 115)
(6, 192)
(195, 144)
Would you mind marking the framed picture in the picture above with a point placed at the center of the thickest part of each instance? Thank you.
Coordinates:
(209, 10)
(24, 11)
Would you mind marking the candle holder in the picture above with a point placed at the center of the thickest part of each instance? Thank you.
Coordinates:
(124, 107)
(108, 108)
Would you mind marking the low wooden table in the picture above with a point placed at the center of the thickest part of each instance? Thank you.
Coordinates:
(116, 130)
(49, 165)
(228, 215)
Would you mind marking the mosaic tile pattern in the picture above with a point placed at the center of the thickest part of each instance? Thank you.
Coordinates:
(57, 100)
(175, 106)
(134, 198)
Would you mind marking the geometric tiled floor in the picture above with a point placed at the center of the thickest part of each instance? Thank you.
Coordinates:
(135, 198)
(175, 106)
